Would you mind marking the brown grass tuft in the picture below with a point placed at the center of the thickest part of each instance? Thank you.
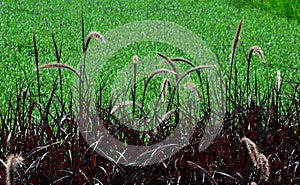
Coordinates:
(259, 160)
(252, 148)
(12, 164)
(93, 34)
(258, 51)
(264, 165)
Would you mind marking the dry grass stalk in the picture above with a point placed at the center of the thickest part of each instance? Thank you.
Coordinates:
(12, 164)
(278, 81)
(124, 104)
(159, 71)
(192, 86)
(179, 60)
(190, 163)
(258, 159)
(166, 116)
(258, 51)
(165, 83)
(252, 148)
(58, 65)
(192, 70)
(93, 34)
(135, 61)
(234, 44)
(264, 165)
(169, 62)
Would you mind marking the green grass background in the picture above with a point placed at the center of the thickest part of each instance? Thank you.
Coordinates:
(213, 21)
(289, 9)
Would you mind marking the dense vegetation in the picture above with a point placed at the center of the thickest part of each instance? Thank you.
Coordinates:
(286, 9)
(37, 117)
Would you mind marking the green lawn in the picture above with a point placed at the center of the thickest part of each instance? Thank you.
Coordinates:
(213, 21)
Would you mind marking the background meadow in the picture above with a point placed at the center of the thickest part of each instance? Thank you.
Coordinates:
(214, 22)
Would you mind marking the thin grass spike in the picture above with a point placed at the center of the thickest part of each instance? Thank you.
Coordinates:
(158, 71)
(192, 70)
(135, 60)
(58, 65)
(168, 61)
(192, 86)
(57, 53)
(261, 55)
(82, 33)
(124, 104)
(184, 75)
(36, 65)
(166, 83)
(234, 44)
(204, 171)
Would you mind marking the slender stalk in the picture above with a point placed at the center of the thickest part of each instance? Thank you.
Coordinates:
(204, 171)
(168, 60)
(249, 56)
(158, 71)
(135, 61)
(58, 65)
(37, 67)
(183, 76)
(234, 45)
(59, 71)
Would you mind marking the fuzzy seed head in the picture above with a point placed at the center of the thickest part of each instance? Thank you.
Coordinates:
(258, 51)
(234, 45)
(95, 35)
(192, 86)
(165, 84)
(252, 149)
(278, 81)
(135, 59)
(264, 165)
(12, 164)
(59, 66)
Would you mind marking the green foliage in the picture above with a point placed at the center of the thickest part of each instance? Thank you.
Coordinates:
(289, 9)
(214, 21)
